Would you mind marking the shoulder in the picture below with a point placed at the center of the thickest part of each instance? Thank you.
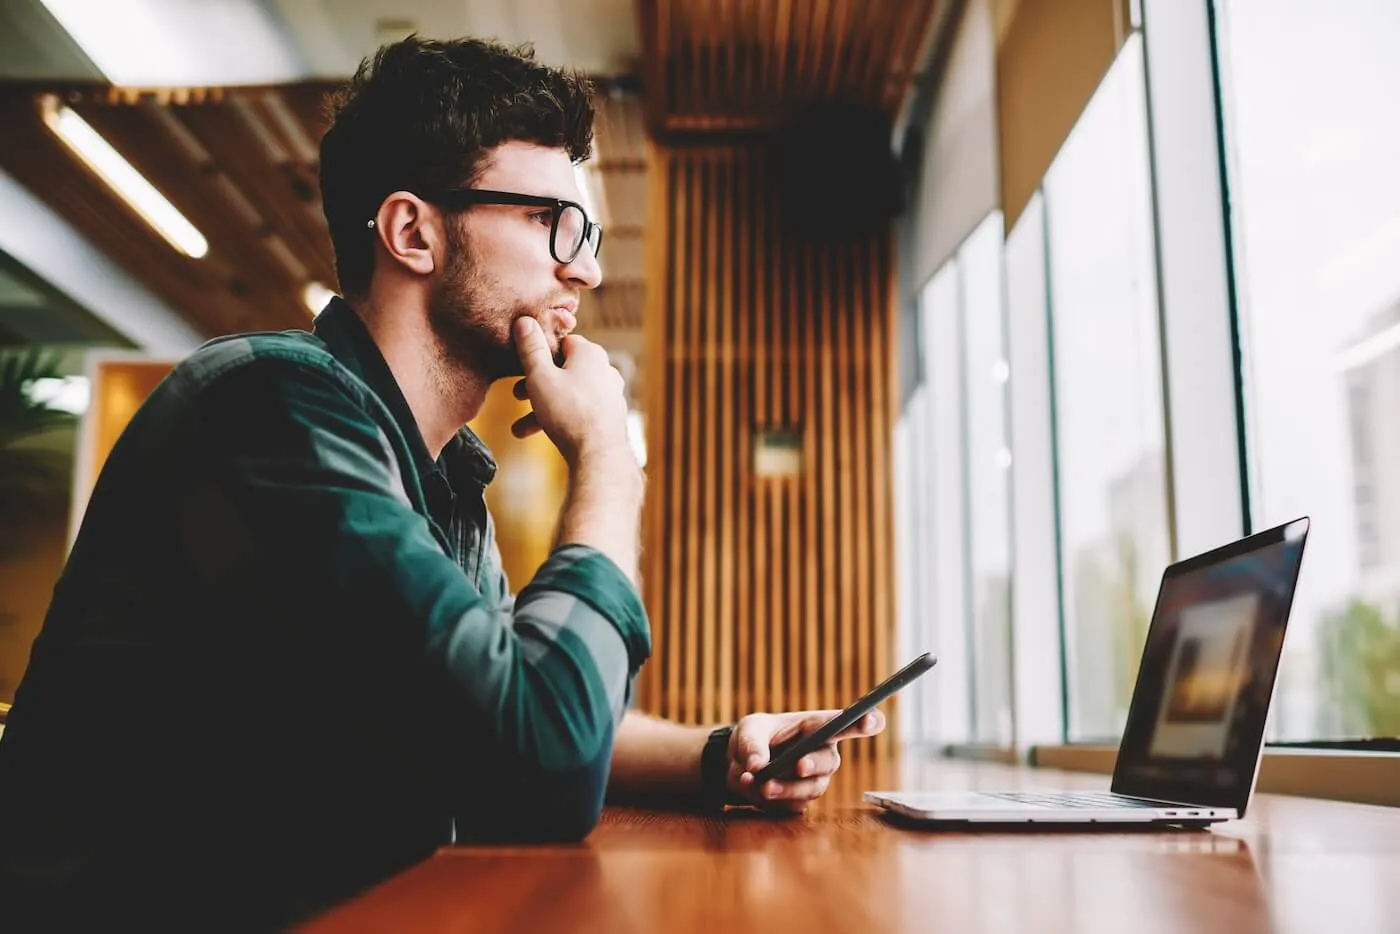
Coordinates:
(223, 355)
(269, 360)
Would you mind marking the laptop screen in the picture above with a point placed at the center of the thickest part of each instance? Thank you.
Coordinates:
(1196, 723)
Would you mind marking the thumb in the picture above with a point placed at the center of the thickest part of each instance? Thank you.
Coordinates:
(531, 346)
(751, 741)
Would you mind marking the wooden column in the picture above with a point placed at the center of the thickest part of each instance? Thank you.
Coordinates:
(765, 592)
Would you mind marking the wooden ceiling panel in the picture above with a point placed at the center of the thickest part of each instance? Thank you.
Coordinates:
(233, 233)
(240, 164)
(284, 191)
(724, 65)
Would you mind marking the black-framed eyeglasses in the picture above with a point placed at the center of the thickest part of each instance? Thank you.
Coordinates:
(569, 227)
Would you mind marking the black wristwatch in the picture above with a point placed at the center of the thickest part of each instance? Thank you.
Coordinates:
(714, 769)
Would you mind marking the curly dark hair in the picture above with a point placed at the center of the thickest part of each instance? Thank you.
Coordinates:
(422, 114)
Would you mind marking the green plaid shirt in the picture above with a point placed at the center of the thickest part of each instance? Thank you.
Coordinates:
(283, 661)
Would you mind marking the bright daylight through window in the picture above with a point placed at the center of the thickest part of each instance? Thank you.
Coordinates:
(1114, 535)
(1314, 145)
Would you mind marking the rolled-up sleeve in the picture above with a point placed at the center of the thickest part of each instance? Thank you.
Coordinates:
(536, 688)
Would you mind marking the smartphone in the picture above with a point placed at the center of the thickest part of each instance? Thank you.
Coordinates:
(786, 755)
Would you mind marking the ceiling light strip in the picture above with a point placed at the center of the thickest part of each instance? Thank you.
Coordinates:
(119, 175)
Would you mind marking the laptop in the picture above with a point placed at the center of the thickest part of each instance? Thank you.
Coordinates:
(1195, 731)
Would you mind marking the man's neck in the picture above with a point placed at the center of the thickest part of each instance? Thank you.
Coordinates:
(442, 396)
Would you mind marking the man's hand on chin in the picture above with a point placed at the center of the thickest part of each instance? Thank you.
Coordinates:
(750, 748)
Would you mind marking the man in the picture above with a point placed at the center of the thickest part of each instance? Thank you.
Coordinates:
(282, 662)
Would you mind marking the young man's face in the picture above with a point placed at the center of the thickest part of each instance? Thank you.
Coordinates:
(500, 266)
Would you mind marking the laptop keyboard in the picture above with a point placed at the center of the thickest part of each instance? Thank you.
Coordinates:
(1075, 799)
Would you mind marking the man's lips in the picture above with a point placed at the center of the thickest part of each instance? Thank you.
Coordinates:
(566, 318)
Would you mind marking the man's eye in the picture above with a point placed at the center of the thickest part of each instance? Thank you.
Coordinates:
(542, 217)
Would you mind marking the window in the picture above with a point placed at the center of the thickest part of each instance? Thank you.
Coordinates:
(957, 535)
(1114, 533)
(986, 372)
(1313, 145)
(942, 330)
(1039, 677)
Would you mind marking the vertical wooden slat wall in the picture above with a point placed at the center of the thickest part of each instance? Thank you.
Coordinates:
(765, 592)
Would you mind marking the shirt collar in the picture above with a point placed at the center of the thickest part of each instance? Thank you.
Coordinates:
(345, 335)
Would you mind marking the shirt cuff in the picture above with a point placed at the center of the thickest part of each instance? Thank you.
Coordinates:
(594, 578)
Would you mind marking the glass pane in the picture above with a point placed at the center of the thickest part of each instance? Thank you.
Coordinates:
(988, 490)
(951, 712)
(1114, 538)
(1314, 146)
(1039, 714)
(912, 555)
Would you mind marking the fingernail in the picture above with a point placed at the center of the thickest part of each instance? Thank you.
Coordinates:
(754, 763)
(804, 767)
(524, 325)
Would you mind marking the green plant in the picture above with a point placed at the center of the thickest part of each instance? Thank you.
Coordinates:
(34, 480)
(1360, 650)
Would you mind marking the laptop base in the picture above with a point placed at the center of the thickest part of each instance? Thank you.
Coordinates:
(966, 808)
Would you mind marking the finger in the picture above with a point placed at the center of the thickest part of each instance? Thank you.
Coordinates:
(800, 723)
(823, 761)
(531, 346)
(522, 389)
(868, 725)
(576, 350)
(525, 426)
(802, 789)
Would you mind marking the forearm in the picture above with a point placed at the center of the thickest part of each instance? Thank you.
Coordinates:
(603, 507)
(654, 759)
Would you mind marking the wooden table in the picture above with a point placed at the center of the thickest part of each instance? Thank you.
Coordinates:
(1291, 865)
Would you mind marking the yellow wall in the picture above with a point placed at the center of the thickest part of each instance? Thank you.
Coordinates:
(119, 388)
(26, 585)
(529, 489)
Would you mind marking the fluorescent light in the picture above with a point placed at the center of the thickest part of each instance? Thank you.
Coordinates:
(316, 296)
(130, 185)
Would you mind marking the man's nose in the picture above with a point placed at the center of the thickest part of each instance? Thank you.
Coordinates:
(584, 269)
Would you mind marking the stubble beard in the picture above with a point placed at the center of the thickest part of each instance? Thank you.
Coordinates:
(471, 322)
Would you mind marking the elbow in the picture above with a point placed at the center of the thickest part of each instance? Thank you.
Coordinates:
(541, 806)
(557, 752)
(572, 823)
(568, 806)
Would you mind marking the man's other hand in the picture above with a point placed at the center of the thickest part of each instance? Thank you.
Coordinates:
(751, 745)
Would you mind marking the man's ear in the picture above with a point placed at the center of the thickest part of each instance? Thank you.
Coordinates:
(410, 231)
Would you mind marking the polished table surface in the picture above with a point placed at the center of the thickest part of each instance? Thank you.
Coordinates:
(1292, 864)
